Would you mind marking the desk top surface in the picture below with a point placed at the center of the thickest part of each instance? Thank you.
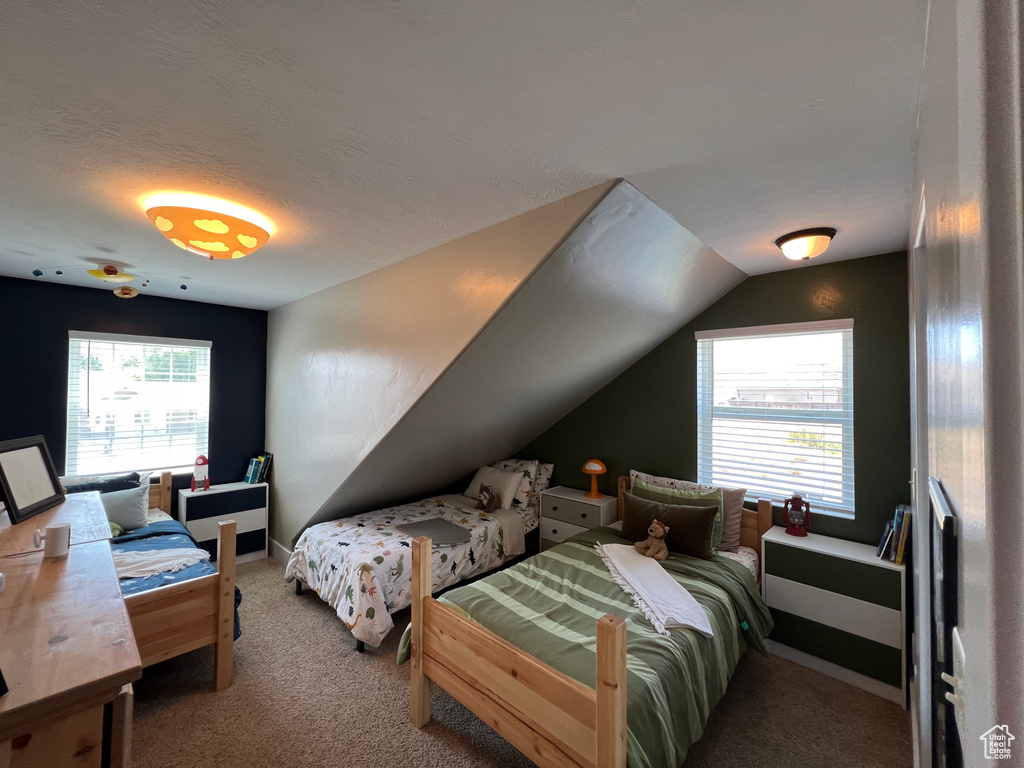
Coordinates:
(83, 510)
(65, 639)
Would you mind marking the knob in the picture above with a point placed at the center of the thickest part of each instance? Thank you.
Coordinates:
(554, 530)
(584, 514)
(554, 508)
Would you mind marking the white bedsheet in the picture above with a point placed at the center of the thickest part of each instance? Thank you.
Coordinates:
(361, 565)
(142, 564)
(744, 556)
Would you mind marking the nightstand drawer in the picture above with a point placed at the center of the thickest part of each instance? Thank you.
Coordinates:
(558, 531)
(571, 511)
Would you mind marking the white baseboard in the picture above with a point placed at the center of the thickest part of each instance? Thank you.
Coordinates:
(856, 679)
(279, 551)
(250, 557)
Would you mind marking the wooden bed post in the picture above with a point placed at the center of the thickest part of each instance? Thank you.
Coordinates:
(610, 725)
(764, 518)
(421, 583)
(166, 496)
(224, 658)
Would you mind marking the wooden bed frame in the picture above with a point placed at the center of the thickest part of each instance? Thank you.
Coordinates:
(549, 717)
(172, 620)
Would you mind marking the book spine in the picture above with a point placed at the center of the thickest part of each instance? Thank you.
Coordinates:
(886, 535)
(896, 529)
(250, 475)
(903, 537)
(265, 470)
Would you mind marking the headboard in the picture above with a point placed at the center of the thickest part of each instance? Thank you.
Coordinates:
(753, 526)
(160, 493)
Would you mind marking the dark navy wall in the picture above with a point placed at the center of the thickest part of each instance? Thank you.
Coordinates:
(35, 318)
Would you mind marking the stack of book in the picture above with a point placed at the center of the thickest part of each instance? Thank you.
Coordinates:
(895, 537)
(258, 468)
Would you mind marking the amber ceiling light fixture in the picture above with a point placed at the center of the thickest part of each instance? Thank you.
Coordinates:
(807, 243)
(208, 226)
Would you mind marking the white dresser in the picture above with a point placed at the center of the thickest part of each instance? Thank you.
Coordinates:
(245, 503)
(564, 512)
(838, 608)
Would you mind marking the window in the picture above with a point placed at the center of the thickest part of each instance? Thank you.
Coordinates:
(136, 403)
(775, 411)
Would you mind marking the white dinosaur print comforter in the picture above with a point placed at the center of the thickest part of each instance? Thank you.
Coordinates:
(361, 565)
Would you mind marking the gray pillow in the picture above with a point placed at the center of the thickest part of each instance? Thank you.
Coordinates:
(127, 508)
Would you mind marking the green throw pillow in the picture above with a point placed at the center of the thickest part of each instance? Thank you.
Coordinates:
(689, 528)
(689, 498)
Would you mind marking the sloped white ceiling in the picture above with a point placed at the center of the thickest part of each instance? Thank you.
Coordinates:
(345, 364)
(623, 281)
(374, 130)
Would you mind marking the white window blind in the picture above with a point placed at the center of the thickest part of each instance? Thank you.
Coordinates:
(775, 412)
(136, 403)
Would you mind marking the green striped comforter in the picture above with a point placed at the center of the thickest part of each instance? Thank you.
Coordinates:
(549, 604)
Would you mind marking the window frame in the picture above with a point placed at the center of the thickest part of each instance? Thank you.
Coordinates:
(705, 405)
(152, 341)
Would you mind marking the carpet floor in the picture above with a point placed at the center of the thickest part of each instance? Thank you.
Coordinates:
(303, 697)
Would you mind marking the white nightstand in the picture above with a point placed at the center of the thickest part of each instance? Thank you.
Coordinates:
(564, 512)
(245, 503)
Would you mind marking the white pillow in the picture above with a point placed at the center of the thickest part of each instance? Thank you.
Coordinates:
(127, 508)
(528, 471)
(505, 484)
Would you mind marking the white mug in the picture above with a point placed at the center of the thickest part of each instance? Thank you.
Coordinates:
(57, 538)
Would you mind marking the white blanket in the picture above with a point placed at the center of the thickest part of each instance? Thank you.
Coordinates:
(513, 532)
(139, 565)
(662, 599)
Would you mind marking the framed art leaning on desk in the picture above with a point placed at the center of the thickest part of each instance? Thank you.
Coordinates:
(28, 482)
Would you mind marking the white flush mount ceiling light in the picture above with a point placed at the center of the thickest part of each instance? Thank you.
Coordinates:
(807, 243)
(208, 226)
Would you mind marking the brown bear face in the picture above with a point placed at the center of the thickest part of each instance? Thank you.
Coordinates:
(658, 530)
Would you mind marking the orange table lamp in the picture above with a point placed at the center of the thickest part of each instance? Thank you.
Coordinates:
(594, 467)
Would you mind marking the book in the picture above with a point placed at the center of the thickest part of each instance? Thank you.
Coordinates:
(252, 473)
(904, 535)
(883, 545)
(265, 460)
(897, 525)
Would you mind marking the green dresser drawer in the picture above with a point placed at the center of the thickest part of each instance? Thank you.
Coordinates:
(861, 581)
(876, 660)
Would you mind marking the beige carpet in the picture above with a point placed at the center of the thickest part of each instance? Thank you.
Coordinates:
(302, 697)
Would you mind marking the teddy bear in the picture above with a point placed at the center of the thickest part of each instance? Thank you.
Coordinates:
(654, 546)
(488, 499)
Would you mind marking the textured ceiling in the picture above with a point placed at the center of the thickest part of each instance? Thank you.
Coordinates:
(372, 131)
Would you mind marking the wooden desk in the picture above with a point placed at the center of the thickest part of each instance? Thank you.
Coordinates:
(67, 651)
(83, 510)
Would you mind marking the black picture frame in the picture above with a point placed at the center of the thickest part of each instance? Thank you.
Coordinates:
(28, 481)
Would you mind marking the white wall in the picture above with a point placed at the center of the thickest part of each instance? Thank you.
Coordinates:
(627, 278)
(344, 364)
(969, 173)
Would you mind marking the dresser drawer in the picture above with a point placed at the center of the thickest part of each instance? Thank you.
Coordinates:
(571, 511)
(558, 531)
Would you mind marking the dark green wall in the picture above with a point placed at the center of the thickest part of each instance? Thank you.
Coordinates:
(646, 419)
